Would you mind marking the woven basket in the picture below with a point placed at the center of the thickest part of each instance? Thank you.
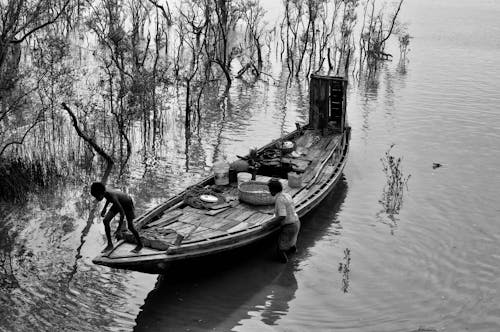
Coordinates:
(255, 193)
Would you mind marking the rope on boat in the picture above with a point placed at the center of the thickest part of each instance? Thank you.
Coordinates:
(192, 197)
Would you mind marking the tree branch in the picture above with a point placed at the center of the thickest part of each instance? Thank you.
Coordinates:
(18, 41)
(393, 22)
(37, 121)
(167, 16)
(86, 138)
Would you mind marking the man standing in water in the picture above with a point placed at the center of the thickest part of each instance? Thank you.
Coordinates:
(121, 203)
(284, 209)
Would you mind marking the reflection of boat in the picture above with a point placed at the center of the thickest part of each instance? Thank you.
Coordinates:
(178, 231)
(252, 283)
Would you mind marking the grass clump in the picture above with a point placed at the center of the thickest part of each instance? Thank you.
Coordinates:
(21, 176)
(397, 182)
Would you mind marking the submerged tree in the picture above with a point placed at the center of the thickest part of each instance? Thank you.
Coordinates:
(397, 182)
(375, 34)
(251, 56)
(137, 53)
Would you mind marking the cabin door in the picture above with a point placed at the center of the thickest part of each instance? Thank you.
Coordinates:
(327, 100)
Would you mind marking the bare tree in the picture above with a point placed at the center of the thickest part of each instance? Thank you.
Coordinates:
(89, 140)
(18, 21)
(376, 34)
(253, 15)
(123, 56)
(21, 21)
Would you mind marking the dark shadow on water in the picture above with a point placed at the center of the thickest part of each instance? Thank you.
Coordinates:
(218, 294)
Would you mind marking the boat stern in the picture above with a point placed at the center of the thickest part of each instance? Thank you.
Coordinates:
(121, 257)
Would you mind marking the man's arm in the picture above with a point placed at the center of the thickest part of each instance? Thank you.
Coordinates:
(280, 211)
(103, 212)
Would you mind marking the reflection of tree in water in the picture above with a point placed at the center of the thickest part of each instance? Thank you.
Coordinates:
(7, 273)
(401, 69)
(376, 92)
(345, 270)
(227, 116)
(368, 86)
(44, 282)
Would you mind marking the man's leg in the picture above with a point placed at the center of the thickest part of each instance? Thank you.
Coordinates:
(107, 228)
(130, 224)
(282, 256)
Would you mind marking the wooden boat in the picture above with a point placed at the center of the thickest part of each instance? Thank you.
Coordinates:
(182, 229)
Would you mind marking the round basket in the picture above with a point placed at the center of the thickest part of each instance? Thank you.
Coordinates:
(255, 193)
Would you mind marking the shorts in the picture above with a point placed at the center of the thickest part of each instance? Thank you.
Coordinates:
(128, 208)
(288, 236)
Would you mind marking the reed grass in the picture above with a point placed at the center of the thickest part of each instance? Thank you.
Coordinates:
(397, 182)
(20, 177)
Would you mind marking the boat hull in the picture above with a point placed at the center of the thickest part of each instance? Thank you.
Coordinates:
(159, 261)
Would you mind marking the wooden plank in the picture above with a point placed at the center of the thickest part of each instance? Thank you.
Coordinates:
(240, 214)
(320, 168)
(228, 225)
(171, 204)
(203, 233)
(190, 217)
(219, 206)
(261, 220)
(241, 226)
(329, 170)
(233, 205)
(237, 209)
(191, 210)
(266, 209)
(183, 228)
(245, 215)
(315, 152)
(165, 219)
(316, 164)
(257, 218)
(215, 222)
(215, 212)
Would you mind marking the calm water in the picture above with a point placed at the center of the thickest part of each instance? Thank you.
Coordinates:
(434, 266)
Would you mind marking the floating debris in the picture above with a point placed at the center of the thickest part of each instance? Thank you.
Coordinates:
(436, 165)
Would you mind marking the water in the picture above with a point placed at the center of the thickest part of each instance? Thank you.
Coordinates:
(435, 265)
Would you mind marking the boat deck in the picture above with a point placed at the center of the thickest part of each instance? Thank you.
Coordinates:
(182, 225)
